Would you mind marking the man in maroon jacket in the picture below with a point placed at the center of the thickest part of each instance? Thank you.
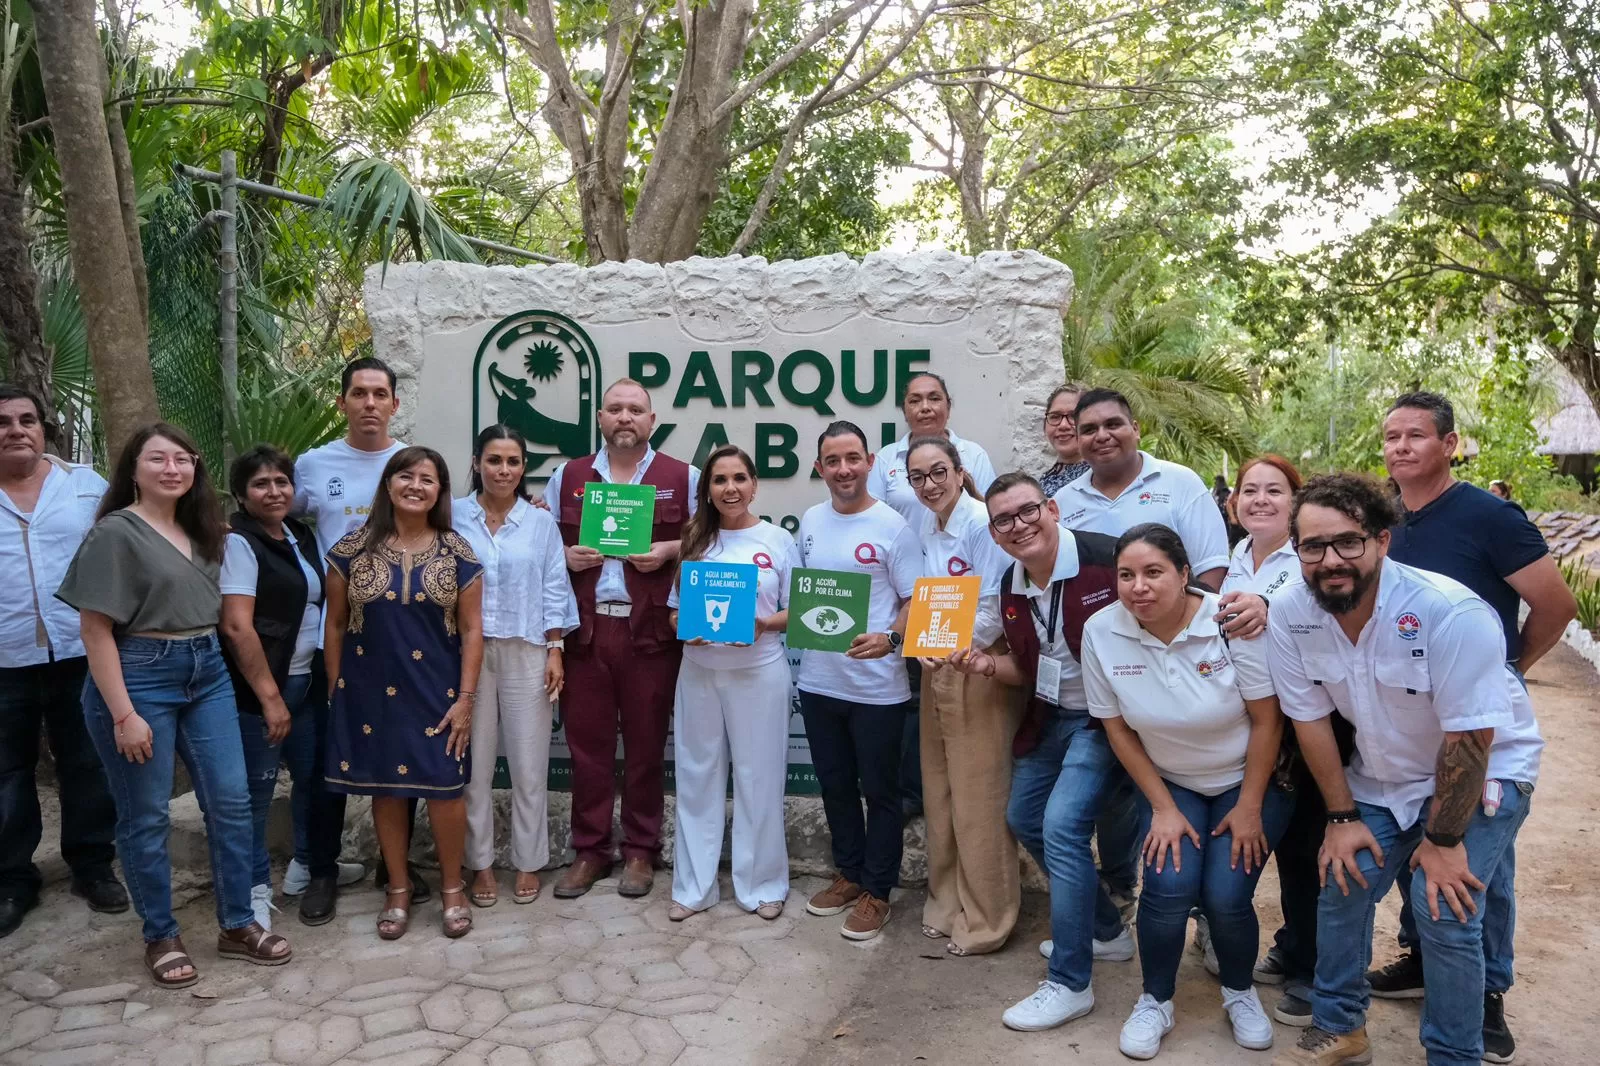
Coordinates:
(622, 663)
(1065, 769)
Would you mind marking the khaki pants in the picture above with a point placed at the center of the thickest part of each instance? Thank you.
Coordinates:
(512, 719)
(974, 887)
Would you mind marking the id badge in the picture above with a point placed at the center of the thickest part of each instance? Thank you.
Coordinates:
(1047, 685)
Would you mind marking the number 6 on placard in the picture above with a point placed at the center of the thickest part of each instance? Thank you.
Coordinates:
(694, 577)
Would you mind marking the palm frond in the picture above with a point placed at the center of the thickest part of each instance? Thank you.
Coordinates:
(376, 202)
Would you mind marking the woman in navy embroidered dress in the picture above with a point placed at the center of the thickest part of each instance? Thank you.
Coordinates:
(404, 640)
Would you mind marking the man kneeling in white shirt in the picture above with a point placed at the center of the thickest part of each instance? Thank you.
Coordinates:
(1446, 756)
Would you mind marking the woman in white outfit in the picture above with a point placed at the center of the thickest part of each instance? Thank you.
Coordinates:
(733, 702)
(528, 607)
(968, 724)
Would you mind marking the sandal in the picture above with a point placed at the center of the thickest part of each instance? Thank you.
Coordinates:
(957, 950)
(254, 945)
(485, 898)
(161, 957)
(457, 920)
(395, 918)
(933, 934)
(678, 913)
(524, 894)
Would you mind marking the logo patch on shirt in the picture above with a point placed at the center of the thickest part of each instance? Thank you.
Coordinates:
(1154, 497)
(1073, 517)
(867, 554)
(1128, 670)
(335, 488)
(1207, 667)
(958, 566)
(1011, 614)
(1419, 653)
(1408, 626)
(1278, 582)
(762, 560)
(1096, 596)
(664, 494)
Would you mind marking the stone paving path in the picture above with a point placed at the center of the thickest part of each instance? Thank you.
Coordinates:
(600, 979)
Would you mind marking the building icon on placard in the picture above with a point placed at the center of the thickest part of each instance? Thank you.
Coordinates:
(939, 633)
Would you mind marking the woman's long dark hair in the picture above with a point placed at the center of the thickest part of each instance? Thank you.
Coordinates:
(199, 513)
(380, 520)
(951, 452)
(701, 530)
(498, 431)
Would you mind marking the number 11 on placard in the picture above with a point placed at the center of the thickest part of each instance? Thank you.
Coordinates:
(922, 593)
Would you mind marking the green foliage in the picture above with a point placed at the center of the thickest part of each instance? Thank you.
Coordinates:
(1508, 443)
(1585, 586)
(292, 413)
(377, 204)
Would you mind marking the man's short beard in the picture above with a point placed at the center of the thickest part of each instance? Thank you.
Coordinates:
(1343, 602)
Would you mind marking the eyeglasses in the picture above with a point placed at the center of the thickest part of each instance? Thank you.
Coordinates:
(1055, 418)
(159, 461)
(1348, 546)
(1029, 514)
(937, 475)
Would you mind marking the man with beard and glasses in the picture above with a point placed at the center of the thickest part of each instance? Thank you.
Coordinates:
(622, 667)
(1489, 545)
(1446, 756)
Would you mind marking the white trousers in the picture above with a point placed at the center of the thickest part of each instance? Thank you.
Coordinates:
(512, 717)
(743, 714)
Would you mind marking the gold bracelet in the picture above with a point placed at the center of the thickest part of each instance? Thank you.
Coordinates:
(470, 697)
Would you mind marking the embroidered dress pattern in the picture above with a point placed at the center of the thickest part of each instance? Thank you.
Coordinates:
(398, 682)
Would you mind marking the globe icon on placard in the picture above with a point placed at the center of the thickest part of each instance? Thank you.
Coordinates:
(827, 620)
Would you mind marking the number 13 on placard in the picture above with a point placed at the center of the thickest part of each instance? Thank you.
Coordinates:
(804, 584)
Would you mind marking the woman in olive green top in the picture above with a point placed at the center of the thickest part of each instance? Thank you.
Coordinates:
(145, 586)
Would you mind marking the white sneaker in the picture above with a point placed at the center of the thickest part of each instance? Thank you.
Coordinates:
(1251, 1026)
(1051, 1005)
(261, 905)
(298, 876)
(1118, 949)
(1142, 1032)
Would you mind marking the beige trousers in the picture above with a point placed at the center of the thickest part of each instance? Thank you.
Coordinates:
(974, 886)
(512, 718)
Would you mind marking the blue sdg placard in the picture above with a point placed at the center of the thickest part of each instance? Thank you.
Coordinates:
(717, 602)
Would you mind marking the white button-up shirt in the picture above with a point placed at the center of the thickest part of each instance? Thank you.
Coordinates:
(1279, 570)
(1431, 660)
(1186, 700)
(1164, 492)
(887, 478)
(612, 586)
(37, 548)
(964, 548)
(526, 590)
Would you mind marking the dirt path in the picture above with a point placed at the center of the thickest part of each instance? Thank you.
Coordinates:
(918, 1005)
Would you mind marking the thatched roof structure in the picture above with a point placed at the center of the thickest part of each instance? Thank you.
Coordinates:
(1575, 428)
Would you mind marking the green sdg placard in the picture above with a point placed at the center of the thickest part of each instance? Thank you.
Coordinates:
(827, 608)
(617, 518)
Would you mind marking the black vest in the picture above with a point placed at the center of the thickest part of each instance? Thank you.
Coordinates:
(281, 598)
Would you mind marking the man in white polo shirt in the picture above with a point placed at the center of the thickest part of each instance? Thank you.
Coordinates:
(1447, 752)
(1125, 487)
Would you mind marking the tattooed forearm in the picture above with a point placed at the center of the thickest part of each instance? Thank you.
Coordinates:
(1458, 780)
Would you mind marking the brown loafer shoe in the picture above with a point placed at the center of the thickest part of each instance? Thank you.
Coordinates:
(638, 877)
(836, 898)
(580, 878)
(866, 919)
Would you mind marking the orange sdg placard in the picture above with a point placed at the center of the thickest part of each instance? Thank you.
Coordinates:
(944, 612)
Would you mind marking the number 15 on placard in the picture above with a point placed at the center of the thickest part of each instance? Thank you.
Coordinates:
(596, 496)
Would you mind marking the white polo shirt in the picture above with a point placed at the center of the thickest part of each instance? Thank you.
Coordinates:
(964, 548)
(1163, 492)
(1053, 644)
(1184, 699)
(1279, 570)
(887, 478)
(775, 555)
(876, 542)
(36, 547)
(1431, 660)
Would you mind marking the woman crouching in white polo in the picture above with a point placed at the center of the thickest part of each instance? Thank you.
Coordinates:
(733, 702)
(1194, 719)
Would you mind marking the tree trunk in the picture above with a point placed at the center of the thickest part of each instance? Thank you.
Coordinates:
(122, 161)
(72, 64)
(20, 320)
(692, 148)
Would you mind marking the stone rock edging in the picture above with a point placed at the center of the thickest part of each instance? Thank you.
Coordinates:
(1583, 642)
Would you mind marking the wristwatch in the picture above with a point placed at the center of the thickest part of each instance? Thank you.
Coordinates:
(895, 640)
(557, 645)
(1443, 840)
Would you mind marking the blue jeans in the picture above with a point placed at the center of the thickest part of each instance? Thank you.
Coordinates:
(1057, 791)
(261, 768)
(1225, 894)
(1118, 839)
(1453, 951)
(181, 689)
(300, 756)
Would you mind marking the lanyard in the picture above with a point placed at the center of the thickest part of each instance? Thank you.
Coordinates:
(1055, 612)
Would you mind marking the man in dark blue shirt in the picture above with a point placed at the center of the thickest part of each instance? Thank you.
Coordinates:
(1489, 545)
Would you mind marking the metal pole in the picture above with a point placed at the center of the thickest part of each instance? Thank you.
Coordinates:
(228, 295)
(257, 188)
